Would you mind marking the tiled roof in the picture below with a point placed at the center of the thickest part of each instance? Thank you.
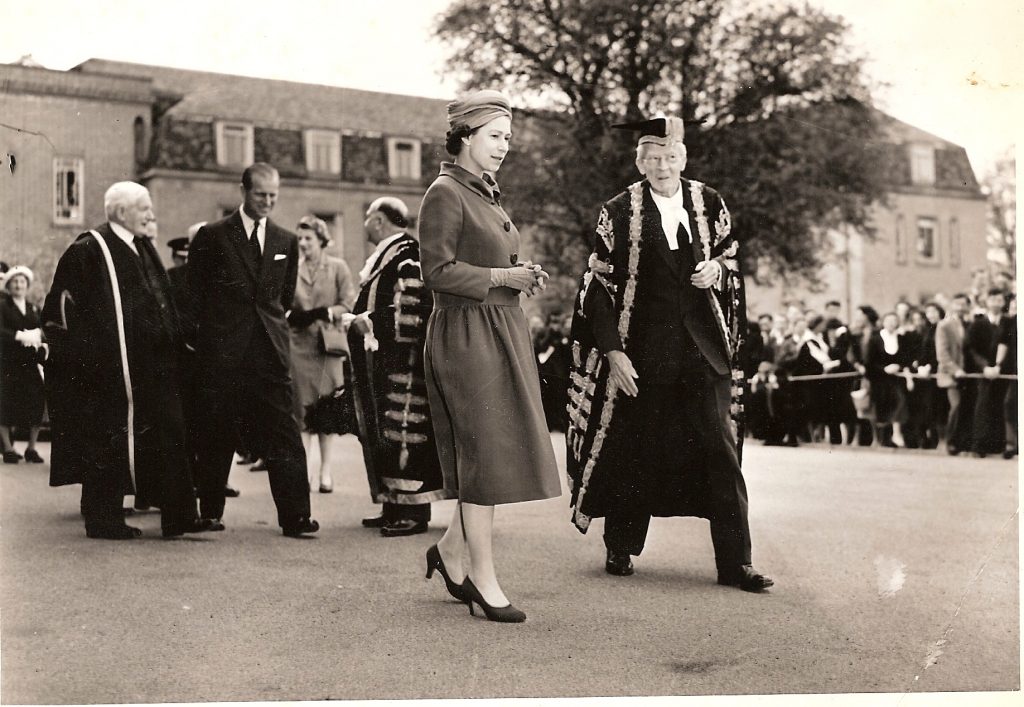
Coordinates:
(953, 169)
(285, 103)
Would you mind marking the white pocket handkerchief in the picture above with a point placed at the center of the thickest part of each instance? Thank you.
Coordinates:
(280, 256)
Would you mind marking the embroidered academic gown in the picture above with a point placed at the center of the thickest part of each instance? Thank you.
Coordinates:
(629, 234)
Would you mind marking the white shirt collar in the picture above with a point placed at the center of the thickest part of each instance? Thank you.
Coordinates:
(371, 262)
(125, 235)
(247, 224)
(891, 341)
(672, 214)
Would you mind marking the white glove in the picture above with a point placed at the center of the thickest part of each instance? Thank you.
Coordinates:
(30, 337)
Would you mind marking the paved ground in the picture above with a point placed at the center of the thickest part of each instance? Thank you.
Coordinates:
(896, 572)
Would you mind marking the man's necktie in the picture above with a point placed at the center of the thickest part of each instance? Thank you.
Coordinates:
(254, 246)
(142, 246)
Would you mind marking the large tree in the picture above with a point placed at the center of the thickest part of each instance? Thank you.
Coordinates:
(776, 103)
(1000, 186)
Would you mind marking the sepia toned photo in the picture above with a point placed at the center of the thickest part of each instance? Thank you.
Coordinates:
(536, 351)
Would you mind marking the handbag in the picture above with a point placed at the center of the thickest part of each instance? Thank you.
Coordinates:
(333, 342)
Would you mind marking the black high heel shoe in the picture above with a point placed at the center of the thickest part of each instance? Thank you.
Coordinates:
(434, 562)
(502, 614)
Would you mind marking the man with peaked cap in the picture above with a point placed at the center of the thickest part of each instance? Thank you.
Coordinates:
(655, 380)
(386, 343)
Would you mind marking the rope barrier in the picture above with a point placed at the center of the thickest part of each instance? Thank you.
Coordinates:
(916, 376)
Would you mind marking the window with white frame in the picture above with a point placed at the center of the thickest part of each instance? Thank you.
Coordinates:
(927, 240)
(323, 151)
(922, 164)
(403, 158)
(234, 144)
(68, 173)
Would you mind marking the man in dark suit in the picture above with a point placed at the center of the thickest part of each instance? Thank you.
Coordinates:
(178, 277)
(240, 283)
(654, 432)
(981, 343)
(112, 379)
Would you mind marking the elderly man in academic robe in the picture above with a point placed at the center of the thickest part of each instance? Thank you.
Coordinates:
(656, 382)
(112, 380)
(386, 341)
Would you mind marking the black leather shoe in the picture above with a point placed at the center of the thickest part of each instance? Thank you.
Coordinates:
(1008, 453)
(746, 578)
(400, 528)
(215, 524)
(260, 465)
(114, 532)
(32, 457)
(618, 564)
(303, 526)
(11, 457)
(374, 522)
(231, 492)
(196, 525)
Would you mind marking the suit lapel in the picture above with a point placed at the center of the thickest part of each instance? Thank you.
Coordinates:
(698, 252)
(272, 245)
(655, 233)
(306, 275)
(240, 240)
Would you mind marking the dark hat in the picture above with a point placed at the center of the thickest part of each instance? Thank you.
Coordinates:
(658, 131)
(178, 246)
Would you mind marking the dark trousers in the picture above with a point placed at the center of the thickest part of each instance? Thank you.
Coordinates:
(691, 414)
(162, 470)
(961, 397)
(989, 435)
(1010, 414)
(419, 512)
(254, 402)
(102, 496)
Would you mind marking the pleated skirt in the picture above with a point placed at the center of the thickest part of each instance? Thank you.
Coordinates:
(484, 391)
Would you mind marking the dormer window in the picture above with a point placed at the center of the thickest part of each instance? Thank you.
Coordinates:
(403, 158)
(323, 151)
(234, 144)
(922, 164)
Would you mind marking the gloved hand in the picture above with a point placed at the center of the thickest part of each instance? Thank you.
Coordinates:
(30, 337)
(530, 279)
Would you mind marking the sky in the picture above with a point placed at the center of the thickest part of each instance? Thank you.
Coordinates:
(951, 67)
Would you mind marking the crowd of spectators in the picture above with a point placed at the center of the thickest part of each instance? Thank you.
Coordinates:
(912, 376)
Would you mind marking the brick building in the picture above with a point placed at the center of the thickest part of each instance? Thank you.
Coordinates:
(64, 138)
(926, 239)
(187, 135)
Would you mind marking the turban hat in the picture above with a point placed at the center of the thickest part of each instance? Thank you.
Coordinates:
(478, 109)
